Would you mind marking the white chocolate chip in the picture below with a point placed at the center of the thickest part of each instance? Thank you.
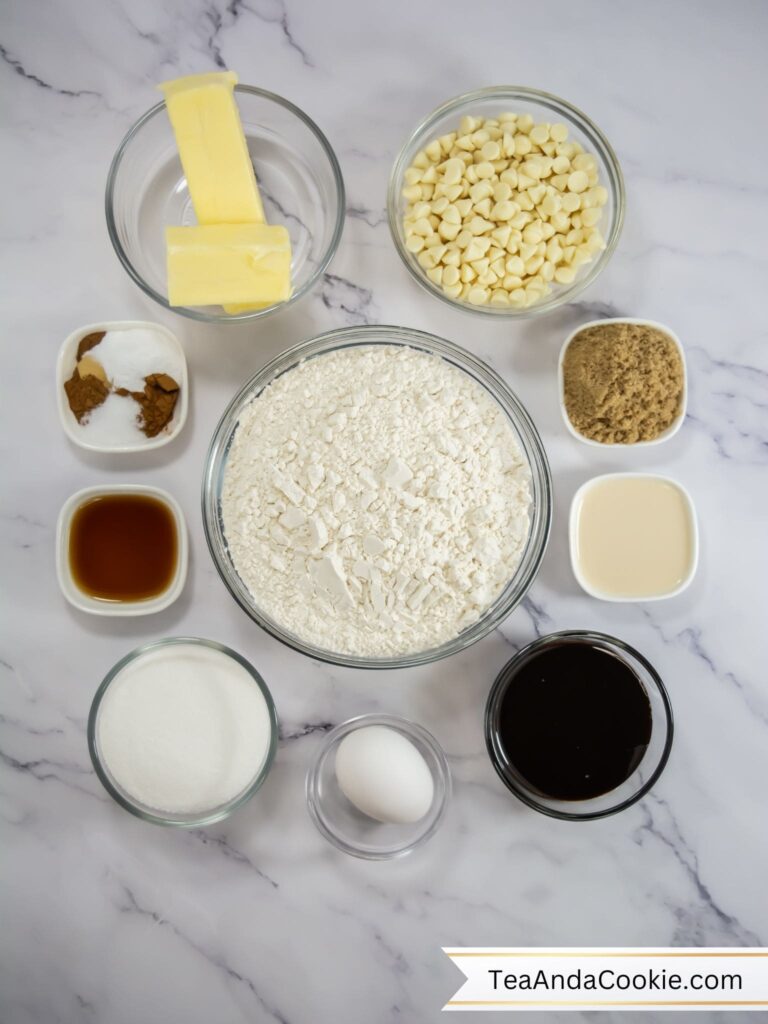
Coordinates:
(500, 208)
(577, 181)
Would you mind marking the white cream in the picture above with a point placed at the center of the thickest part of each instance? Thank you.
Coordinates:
(633, 537)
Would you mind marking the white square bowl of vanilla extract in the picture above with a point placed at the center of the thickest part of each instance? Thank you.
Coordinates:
(121, 549)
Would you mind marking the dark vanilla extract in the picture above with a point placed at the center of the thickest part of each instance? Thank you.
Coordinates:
(575, 721)
(123, 547)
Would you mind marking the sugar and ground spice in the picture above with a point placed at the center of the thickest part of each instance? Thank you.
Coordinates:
(622, 382)
(137, 364)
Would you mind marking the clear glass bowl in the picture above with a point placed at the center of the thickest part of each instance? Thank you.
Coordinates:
(151, 814)
(522, 426)
(639, 782)
(299, 179)
(542, 106)
(354, 832)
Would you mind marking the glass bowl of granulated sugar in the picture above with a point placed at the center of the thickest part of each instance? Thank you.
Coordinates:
(377, 498)
(182, 732)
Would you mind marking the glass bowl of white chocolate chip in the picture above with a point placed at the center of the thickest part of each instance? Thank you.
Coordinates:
(377, 497)
(506, 202)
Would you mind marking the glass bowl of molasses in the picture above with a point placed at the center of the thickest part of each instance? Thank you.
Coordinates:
(578, 725)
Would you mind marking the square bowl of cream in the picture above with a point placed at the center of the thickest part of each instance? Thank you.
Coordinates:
(633, 537)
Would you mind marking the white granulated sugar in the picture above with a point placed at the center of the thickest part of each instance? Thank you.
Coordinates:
(115, 421)
(130, 354)
(375, 500)
(183, 729)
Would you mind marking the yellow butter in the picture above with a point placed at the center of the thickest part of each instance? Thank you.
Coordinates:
(212, 147)
(220, 264)
(244, 307)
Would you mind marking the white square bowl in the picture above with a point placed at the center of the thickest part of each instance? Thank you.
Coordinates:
(65, 366)
(573, 518)
(93, 605)
(671, 430)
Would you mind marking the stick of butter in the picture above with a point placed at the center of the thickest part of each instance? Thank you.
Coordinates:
(212, 147)
(233, 308)
(217, 264)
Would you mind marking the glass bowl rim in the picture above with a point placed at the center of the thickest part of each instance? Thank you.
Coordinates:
(616, 183)
(401, 725)
(222, 318)
(218, 813)
(525, 795)
(499, 390)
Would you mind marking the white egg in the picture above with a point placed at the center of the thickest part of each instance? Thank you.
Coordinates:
(383, 774)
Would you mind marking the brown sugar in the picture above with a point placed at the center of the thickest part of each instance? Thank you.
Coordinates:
(622, 382)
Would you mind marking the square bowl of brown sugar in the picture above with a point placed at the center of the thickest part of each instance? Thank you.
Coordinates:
(622, 383)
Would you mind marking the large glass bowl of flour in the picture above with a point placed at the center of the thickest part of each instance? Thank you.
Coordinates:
(377, 497)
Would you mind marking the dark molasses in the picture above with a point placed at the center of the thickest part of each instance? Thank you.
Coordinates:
(575, 721)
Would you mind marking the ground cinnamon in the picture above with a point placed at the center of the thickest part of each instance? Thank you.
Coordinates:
(85, 394)
(86, 391)
(88, 342)
(157, 402)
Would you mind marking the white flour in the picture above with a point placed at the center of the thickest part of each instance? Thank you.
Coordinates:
(375, 500)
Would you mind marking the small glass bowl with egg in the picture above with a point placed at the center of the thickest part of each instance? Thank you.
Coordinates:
(569, 275)
(379, 787)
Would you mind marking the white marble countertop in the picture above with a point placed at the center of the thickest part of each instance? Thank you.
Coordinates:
(106, 919)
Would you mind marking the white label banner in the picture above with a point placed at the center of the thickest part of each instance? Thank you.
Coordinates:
(659, 978)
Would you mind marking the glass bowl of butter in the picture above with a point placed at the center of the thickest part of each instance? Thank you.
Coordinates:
(299, 184)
